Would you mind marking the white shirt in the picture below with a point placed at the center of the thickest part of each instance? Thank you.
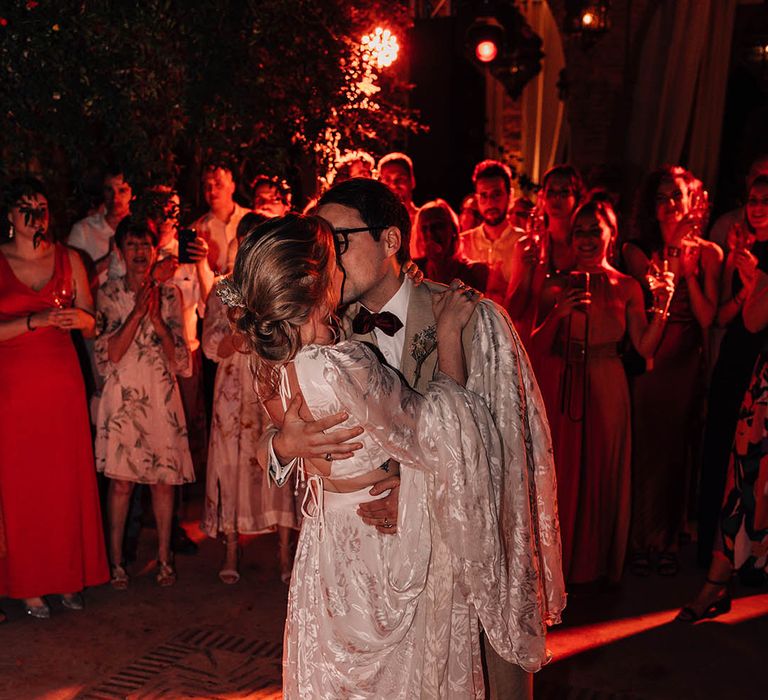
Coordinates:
(91, 235)
(186, 280)
(391, 346)
(219, 234)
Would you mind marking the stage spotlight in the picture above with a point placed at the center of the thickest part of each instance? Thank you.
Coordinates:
(485, 39)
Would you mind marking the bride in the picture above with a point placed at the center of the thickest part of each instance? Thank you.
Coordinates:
(355, 626)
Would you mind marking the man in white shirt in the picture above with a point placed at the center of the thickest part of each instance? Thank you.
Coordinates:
(194, 280)
(94, 235)
(219, 226)
(492, 243)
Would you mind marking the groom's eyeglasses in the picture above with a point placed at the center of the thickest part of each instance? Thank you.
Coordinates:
(341, 236)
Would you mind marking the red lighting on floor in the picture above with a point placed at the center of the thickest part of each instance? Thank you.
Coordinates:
(486, 51)
(570, 641)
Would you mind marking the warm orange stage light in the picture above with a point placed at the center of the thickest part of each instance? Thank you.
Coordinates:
(486, 51)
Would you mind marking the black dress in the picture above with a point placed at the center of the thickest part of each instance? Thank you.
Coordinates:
(731, 375)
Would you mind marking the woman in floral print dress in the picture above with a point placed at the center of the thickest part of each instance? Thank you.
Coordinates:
(141, 433)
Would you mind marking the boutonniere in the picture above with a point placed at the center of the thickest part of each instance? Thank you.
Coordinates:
(422, 346)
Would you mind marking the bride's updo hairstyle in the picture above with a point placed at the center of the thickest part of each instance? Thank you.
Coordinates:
(282, 277)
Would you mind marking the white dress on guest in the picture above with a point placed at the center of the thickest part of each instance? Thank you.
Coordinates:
(238, 497)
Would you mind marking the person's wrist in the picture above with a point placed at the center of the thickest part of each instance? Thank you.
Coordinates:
(448, 333)
(278, 446)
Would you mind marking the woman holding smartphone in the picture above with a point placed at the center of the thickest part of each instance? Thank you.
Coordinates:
(583, 316)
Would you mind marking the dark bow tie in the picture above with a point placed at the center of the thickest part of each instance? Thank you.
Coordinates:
(365, 322)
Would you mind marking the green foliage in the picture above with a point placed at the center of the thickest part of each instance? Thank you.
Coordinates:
(160, 85)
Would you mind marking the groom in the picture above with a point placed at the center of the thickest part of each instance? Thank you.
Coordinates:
(389, 311)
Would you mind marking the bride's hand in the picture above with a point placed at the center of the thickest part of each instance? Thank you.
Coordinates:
(454, 307)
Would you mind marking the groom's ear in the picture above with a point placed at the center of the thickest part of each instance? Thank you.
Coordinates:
(392, 240)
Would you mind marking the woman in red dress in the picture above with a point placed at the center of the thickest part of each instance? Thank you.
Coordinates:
(48, 496)
(584, 316)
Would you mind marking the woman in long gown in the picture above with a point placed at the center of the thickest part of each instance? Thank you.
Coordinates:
(747, 249)
(744, 513)
(585, 391)
(141, 436)
(48, 495)
(356, 626)
(666, 399)
(239, 498)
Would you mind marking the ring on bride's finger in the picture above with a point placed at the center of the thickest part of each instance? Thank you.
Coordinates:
(386, 522)
(329, 457)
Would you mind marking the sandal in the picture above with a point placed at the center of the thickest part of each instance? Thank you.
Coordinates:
(119, 578)
(230, 575)
(719, 606)
(667, 564)
(640, 564)
(166, 574)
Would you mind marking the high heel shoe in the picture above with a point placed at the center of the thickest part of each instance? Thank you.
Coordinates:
(39, 612)
(719, 606)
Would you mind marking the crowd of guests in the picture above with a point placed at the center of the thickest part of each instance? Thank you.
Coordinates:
(646, 335)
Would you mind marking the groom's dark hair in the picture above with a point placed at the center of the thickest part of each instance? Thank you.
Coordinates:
(378, 207)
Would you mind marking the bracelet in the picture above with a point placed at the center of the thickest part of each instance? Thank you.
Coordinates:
(29, 325)
(673, 252)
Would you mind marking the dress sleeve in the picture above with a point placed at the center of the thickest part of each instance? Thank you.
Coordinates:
(395, 416)
(109, 319)
(215, 327)
(171, 312)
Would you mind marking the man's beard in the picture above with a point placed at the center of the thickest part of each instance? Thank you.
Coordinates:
(495, 221)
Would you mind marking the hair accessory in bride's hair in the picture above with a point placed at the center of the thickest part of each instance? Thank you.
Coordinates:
(230, 294)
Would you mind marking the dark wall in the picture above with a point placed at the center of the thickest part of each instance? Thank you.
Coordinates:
(450, 94)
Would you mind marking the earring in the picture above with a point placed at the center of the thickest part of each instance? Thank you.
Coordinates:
(11, 231)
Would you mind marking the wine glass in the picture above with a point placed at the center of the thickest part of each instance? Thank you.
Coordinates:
(658, 279)
(64, 295)
(698, 210)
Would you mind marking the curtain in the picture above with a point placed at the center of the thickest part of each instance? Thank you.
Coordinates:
(680, 91)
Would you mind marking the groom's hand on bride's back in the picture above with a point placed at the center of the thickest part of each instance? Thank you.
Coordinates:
(301, 438)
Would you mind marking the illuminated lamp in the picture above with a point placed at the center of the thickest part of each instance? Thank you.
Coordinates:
(486, 51)
(485, 39)
(382, 46)
(589, 19)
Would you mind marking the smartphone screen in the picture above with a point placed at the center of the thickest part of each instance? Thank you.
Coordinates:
(186, 236)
